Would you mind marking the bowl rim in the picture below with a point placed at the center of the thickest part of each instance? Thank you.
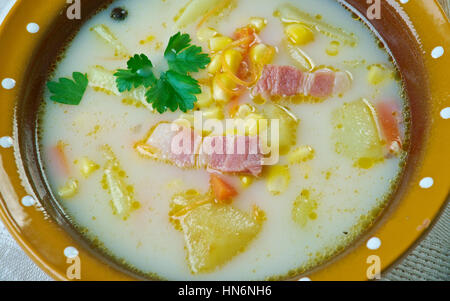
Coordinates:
(45, 242)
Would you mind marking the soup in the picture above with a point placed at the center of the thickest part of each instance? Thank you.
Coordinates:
(223, 140)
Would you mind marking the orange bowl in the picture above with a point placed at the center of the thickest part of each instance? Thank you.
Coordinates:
(417, 34)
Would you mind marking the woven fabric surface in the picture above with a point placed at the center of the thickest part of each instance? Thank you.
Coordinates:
(428, 261)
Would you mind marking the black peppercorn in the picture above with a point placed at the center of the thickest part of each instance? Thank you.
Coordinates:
(119, 14)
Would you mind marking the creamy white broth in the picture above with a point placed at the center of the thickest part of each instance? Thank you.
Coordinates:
(347, 196)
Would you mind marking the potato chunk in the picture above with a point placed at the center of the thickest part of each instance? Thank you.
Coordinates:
(69, 190)
(122, 195)
(356, 133)
(105, 34)
(194, 11)
(213, 233)
(103, 80)
(278, 179)
(288, 125)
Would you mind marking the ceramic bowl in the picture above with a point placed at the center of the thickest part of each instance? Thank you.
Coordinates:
(417, 34)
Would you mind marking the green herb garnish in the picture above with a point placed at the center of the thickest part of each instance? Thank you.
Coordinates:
(183, 57)
(68, 91)
(175, 89)
(172, 91)
(139, 72)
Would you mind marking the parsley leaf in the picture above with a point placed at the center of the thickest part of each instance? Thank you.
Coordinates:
(174, 90)
(139, 72)
(183, 57)
(68, 91)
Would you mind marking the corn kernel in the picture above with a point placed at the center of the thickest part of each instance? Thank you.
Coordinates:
(233, 58)
(216, 64)
(87, 167)
(206, 33)
(377, 74)
(262, 54)
(278, 179)
(220, 95)
(301, 154)
(69, 190)
(299, 34)
(219, 43)
(258, 24)
(246, 181)
(204, 100)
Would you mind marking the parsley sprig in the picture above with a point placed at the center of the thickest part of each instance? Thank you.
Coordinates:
(183, 57)
(175, 89)
(139, 73)
(68, 91)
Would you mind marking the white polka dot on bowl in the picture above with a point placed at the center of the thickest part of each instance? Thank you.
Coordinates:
(437, 52)
(404, 1)
(70, 252)
(445, 113)
(304, 279)
(374, 243)
(426, 183)
(8, 83)
(32, 28)
(6, 142)
(28, 201)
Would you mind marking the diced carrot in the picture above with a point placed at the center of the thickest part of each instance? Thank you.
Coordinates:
(59, 156)
(246, 32)
(388, 114)
(223, 192)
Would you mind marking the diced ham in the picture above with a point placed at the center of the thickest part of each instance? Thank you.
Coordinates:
(388, 118)
(173, 143)
(227, 157)
(186, 149)
(287, 81)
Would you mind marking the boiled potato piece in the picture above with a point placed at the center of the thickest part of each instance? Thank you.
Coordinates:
(299, 57)
(377, 74)
(213, 233)
(278, 179)
(105, 34)
(288, 126)
(195, 10)
(356, 133)
(122, 195)
(104, 80)
(69, 190)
